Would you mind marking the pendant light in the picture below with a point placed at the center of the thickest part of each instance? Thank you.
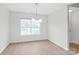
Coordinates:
(36, 15)
(70, 9)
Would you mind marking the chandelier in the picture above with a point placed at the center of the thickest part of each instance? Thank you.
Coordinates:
(36, 14)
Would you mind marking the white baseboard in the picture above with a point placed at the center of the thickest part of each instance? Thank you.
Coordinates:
(25, 41)
(59, 45)
(2, 49)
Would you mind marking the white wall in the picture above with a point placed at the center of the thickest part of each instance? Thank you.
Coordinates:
(15, 27)
(4, 28)
(70, 25)
(58, 28)
(75, 25)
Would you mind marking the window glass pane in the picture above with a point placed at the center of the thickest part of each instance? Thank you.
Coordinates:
(29, 27)
(26, 31)
(35, 31)
(35, 25)
(26, 23)
(25, 27)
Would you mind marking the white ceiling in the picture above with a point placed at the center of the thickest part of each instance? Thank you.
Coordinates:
(43, 8)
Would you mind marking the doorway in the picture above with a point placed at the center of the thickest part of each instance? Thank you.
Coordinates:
(73, 13)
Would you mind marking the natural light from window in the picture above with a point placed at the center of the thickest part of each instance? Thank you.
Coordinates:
(30, 27)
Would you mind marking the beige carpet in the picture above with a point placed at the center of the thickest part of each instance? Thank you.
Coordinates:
(44, 47)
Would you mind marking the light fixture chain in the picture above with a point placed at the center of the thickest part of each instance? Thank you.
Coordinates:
(36, 9)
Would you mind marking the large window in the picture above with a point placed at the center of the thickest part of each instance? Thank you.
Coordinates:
(29, 27)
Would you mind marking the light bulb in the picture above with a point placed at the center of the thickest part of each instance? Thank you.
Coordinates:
(33, 19)
(40, 20)
(70, 10)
